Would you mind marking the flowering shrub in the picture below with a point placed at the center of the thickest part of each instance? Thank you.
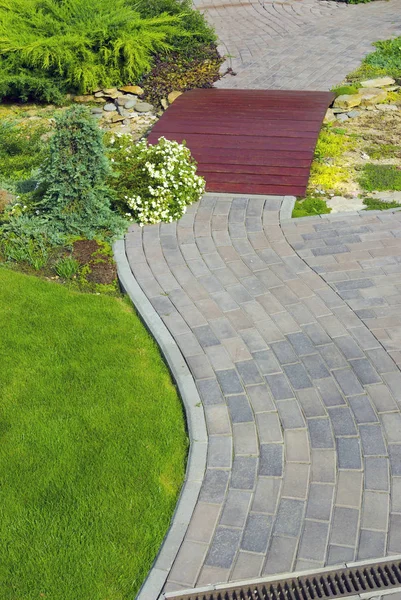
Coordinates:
(153, 183)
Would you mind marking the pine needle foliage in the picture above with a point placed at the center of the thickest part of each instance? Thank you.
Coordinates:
(82, 44)
(72, 194)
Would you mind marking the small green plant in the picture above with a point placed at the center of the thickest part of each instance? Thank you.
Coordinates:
(21, 149)
(309, 207)
(375, 204)
(380, 178)
(67, 267)
(381, 151)
(154, 183)
(345, 90)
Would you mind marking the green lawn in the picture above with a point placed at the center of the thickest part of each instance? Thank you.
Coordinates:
(92, 444)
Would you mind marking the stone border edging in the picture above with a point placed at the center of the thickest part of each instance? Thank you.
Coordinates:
(153, 585)
(289, 202)
(286, 208)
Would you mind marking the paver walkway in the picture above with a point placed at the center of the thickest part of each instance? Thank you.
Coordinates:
(297, 44)
(302, 402)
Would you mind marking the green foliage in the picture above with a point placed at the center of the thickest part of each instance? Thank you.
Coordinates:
(344, 90)
(386, 60)
(381, 151)
(309, 207)
(154, 183)
(84, 44)
(93, 447)
(26, 86)
(375, 204)
(26, 239)
(380, 178)
(21, 149)
(66, 267)
(332, 144)
(72, 192)
(182, 72)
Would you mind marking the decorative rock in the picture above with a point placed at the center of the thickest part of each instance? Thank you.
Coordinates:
(377, 83)
(97, 111)
(117, 118)
(173, 96)
(122, 111)
(371, 96)
(354, 113)
(109, 107)
(329, 116)
(393, 88)
(130, 103)
(109, 91)
(143, 107)
(347, 101)
(132, 89)
(342, 117)
(100, 100)
(87, 98)
(387, 196)
(99, 94)
(341, 204)
(386, 107)
(164, 103)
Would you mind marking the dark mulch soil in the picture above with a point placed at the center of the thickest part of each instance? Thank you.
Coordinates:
(102, 267)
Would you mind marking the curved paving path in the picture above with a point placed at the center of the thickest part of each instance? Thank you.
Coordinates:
(302, 402)
(297, 44)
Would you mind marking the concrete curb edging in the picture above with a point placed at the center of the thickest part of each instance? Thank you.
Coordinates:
(287, 207)
(196, 465)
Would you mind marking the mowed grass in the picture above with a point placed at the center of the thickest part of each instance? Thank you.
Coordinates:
(92, 444)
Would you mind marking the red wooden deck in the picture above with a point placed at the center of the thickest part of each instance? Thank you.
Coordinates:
(248, 141)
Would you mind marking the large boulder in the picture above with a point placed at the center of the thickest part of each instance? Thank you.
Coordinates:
(347, 101)
(377, 83)
(370, 96)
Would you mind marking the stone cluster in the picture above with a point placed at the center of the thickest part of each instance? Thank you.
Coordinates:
(370, 96)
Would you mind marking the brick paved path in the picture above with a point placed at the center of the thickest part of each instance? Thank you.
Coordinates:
(297, 44)
(301, 400)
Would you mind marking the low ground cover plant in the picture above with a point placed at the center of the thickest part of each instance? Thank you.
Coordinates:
(154, 183)
(380, 178)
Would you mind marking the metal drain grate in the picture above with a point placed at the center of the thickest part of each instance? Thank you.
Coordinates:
(375, 578)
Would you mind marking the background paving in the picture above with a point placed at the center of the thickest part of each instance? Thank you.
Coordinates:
(302, 402)
(297, 44)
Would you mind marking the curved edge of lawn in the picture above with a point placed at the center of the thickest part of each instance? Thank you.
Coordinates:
(196, 465)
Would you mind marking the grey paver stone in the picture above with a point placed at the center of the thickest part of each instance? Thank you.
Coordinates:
(229, 381)
(349, 347)
(267, 362)
(296, 479)
(219, 451)
(210, 391)
(214, 486)
(298, 376)
(236, 508)
(243, 473)
(240, 411)
(266, 495)
(382, 398)
(313, 541)
(348, 382)
(269, 429)
(223, 328)
(205, 336)
(203, 522)
(247, 565)
(377, 473)
(200, 366)
(372, 544)
(375, 511)
(279, 386)
(290, 414)
(320, 501)
(223, 547)
(363, 411)
(187, 563)
(349, 489)
(342, 421)
(301, 344)
(260, 398)
(289, 517)
(320, 433)
(311, 403)
(372, 440)
(297, 445)
(249, 372)
(349, 453)
(365, 372)
(396, 494)
(245, 438)
(253, 339)
(280, 556)
(381, 360)
(317, 334)
(257, 532)
(338, 555)
(394, 541)
(332, 356)
(284, 352)
(345, 526)
(395, 459)
(323, 466)
(393, 380)
(329, 392)
(271, 460)
(392, 427)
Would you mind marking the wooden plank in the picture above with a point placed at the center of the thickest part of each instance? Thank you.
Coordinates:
(248, 141)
